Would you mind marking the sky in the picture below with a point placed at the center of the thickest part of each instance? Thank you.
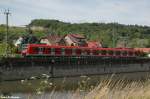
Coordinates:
(77, 11)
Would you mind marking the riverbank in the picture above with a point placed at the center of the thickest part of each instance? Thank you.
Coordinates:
(67, 83)
(104, 89)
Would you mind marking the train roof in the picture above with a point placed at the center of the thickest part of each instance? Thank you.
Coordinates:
(58, 46)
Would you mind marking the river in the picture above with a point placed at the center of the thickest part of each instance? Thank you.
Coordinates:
(58, 88)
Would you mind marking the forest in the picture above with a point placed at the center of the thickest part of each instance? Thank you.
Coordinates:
(109, 34)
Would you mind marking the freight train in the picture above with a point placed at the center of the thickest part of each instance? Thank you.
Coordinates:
(72, 61)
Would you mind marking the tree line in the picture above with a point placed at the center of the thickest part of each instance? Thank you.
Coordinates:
(109, 34)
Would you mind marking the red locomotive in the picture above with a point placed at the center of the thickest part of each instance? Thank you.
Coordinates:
(48, 50)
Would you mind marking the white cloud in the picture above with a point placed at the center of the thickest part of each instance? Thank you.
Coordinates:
(122, 11)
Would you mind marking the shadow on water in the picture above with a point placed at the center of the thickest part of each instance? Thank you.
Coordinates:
(64, 88)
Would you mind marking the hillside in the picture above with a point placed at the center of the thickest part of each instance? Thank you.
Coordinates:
(110, 34)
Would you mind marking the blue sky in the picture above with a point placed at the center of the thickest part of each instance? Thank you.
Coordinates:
(77, 11)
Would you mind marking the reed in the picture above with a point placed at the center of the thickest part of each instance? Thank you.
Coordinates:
(120, 90)
(105, 89)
